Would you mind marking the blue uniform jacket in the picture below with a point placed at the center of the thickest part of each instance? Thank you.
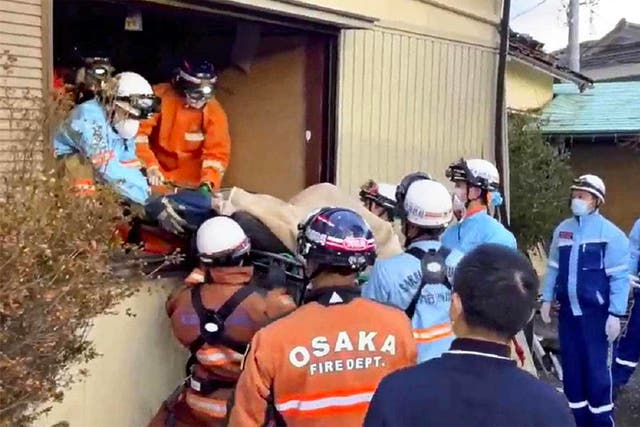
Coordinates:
(396, 280)
(588, 265)
(634, 249)
(475, 230)
(87, 132)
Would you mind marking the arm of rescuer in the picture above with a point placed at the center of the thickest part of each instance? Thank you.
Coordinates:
(143, 149)
(616, 264)
(252, 395)
(549, 284)
(634, 250)
(216, 149)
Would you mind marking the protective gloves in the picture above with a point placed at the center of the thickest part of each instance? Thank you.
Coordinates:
(612, 327)
(205, 188)
(154, 176)
(170, 220)
(545, 312)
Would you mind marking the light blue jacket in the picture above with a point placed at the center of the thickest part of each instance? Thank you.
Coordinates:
(588, 266)
(87, 132)
(395, 281)
(475, 230)
(634, 249)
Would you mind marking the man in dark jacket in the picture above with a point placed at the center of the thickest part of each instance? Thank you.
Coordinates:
(476, 383)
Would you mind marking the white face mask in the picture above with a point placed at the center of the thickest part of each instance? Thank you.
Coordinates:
(127, 128)
(580, 207)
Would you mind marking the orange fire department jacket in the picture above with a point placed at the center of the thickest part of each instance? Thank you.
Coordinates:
(190, 146)
(320, 365)
(218, 362)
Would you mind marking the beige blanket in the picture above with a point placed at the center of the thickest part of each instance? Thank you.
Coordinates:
(283, 218)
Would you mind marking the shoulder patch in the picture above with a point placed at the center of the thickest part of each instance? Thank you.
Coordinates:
(565, 235)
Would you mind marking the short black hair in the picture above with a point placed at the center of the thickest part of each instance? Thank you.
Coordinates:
(498, 287)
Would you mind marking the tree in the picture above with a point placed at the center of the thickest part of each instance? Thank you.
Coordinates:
(540, 180)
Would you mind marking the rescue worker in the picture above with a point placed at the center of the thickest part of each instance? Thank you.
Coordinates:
(97, 139)
(628, 350)
(92, 77)
(419, 281)
(320, 365)
(476, 184)
(216, 320)
(476, 383)
(188, 143)
(587, 274)
(379, 199)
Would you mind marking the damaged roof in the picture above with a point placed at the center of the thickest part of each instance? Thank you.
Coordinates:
(608, 108)
(525, 48)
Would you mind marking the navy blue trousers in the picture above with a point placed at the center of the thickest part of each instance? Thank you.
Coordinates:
(586, 367)
(628, 351)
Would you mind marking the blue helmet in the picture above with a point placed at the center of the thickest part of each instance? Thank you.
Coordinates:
(337, 237)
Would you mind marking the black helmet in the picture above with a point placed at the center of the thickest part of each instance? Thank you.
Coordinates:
(337, 237)
(196, 80)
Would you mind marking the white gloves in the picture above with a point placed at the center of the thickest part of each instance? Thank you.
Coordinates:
(545, 312)
(612, 328)
(154, 176)
(170, 220)
(634, 281)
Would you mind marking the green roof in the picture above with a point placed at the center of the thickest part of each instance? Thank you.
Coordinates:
(607, 108)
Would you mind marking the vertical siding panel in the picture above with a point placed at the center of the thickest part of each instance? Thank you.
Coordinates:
(418, 100)
(409, 102)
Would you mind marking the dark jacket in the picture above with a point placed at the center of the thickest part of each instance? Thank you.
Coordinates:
(475, 384)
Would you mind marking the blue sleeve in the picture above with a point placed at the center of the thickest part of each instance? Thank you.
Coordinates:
(95, 146)
(634, 248)
(502, 236)
(549, 283)
(376, 287)
(616, 264)
(377, 413)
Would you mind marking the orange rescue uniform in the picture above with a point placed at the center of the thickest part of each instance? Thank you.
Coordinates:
(190, 146)
(320, 365)
(217, 362)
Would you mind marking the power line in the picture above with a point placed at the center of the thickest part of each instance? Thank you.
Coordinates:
(524, 12)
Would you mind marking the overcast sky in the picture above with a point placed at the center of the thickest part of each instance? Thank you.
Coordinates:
(545, 20)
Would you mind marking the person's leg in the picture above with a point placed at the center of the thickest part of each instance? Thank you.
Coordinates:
(572, 348)
(599, 369)
(627, 353)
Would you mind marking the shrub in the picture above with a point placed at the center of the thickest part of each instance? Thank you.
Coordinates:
(540, 180)
(55, 251)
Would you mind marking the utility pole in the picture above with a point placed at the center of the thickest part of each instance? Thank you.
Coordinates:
(573, 20)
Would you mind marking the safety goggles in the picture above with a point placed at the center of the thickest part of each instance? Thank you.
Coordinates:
(139, 106)
(196, 88)
(225, 259)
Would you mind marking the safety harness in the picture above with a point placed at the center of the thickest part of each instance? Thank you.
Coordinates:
(434, 271)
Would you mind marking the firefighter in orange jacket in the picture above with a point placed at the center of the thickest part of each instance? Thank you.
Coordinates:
(320, 365)
(188, 143)
(216, 320)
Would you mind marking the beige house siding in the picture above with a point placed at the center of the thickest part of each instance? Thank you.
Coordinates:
(410, 102)
(526, 87)
(21, 68)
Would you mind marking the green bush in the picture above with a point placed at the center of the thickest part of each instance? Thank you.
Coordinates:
(540, 180)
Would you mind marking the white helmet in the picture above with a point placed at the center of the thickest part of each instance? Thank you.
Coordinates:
(592, 184)
(387, 190)
(428, 204)
(135, 95)
(221, 238)
(478, 172)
